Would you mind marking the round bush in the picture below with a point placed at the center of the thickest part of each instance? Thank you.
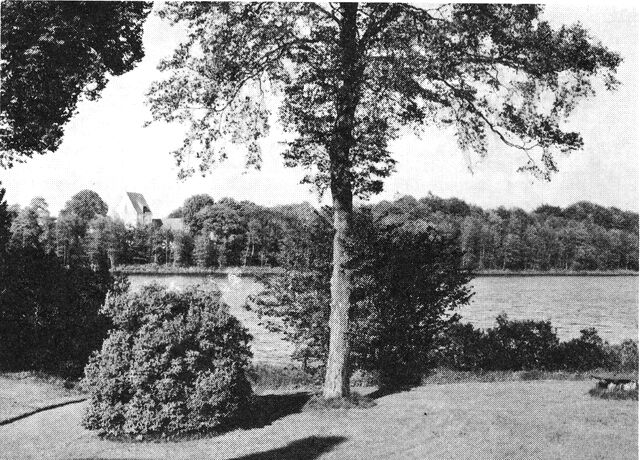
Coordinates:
(174, 363)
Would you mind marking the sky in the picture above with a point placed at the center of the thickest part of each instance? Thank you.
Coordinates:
(107, 149)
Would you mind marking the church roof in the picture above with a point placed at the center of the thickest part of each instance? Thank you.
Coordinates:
(138, 202)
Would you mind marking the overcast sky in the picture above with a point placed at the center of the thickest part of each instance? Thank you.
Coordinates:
(106, 148)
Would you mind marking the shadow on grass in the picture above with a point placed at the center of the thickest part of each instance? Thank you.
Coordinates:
(386, 391)
(307, 448)
(266, 409)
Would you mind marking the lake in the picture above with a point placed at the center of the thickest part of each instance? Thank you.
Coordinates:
(608, 303)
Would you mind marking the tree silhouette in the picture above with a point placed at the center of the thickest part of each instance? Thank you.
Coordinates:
(52, 54)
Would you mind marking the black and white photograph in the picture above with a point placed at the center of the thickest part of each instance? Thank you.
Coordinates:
(301, 230)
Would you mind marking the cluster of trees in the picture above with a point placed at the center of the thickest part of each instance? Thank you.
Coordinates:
(49, 304)
(583, 236)
(232, 233)
(81, 234)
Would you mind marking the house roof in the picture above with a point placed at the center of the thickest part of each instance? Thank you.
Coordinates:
(138, 202)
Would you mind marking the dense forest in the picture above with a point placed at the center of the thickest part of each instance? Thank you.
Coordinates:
(583, 236)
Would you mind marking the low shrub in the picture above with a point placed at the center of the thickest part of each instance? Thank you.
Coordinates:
(174, 363)
(521, 345)
(623, 357)
(516, 345)
(463, 347)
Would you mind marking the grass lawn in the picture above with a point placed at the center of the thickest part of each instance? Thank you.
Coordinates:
(545, 419)
(25, 392)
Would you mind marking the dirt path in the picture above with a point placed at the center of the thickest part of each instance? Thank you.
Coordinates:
(540, 419)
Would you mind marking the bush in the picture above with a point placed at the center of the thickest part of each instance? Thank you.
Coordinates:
(49, 314)
(462, 347)
(513, 345)
(175, 363)
(530, 346)
(584, 353)
(623, 357)
(521, 345)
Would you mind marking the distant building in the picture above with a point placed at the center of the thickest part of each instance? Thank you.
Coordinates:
(133, 210)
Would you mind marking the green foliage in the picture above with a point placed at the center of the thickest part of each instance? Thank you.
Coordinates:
(174, 363)
(182, 249)
(53, 53)
(585, 352)
(86, 204)
(406, 281)
(26, 231)
(105, 241)
(349, 84)
(617, 394)
(204, 251)
(526, 344)
(513, 239)
(530, 345)
(49, 314)
(246, 234)
(5, 223)
(624, 356)
(191, 207)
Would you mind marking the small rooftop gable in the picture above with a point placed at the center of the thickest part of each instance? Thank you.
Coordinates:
(138, 202)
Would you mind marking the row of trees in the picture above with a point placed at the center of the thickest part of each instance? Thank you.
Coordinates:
(583, 236)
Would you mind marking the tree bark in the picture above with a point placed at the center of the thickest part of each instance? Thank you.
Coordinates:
(336, 382)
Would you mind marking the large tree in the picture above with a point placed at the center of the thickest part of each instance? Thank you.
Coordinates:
(86, 204)
(348, 77)
(52, 54)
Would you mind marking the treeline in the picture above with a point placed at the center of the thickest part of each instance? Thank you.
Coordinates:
(583, 236)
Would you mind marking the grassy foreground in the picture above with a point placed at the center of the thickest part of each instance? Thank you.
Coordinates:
(508, 419)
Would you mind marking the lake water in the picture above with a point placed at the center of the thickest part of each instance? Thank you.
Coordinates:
(608, 303)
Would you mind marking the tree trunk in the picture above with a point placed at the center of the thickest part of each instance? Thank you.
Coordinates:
(336, 383)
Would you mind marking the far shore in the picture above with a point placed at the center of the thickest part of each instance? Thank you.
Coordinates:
(152, 269)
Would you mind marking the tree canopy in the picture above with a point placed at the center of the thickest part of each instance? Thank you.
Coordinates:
(86, 204)
(54, 53)
(481, 69)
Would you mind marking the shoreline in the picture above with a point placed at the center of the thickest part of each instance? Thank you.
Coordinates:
(147, 270)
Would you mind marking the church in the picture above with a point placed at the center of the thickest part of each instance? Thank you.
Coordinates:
(132, 209)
